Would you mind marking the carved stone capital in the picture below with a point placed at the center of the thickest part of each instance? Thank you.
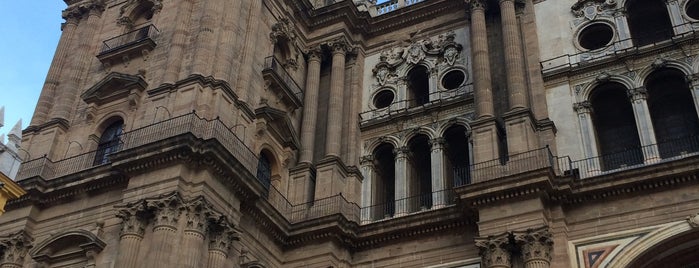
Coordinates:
(636, 94)
(339, 46)
(315, 53)
(73, 14)
(537, 245)
(95, 7)
(401, 152)
(584, 107)
(221, 237)
(495, 251)
(167, 211)
(437, 143)
(15, 248)
(133, 221)
(282, 31)
(366, 161)
(478, 5)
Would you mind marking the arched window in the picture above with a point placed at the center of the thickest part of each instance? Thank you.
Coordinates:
(420, 174)
(649, 21)
(672, 112)
(264, 170)
(418, 86)
(109, 142)
(457, 156)
(615, 126)
(383, 192)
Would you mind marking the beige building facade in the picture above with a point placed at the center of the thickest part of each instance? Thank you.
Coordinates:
(409, 133)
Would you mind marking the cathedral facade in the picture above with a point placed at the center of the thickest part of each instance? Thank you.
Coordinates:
(337, 133)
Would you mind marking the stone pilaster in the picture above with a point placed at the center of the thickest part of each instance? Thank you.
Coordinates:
(133, 225)
(205, 43)
(401, 184)
(194, 233)
(79, 62)
(167, 213)
(495, 251)
(221, 238)
(310, 106)
(536, 246)
(337, 86)
(513, 55)
(367, 168)
(439, 184)
(243, 83)
(178, 43)
(224, 59)
(584, 110)
(644, 125)
(15, 249)
(481, 62)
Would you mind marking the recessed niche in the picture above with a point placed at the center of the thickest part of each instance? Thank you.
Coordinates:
(383, 99)
(453, 79)
(595, 36)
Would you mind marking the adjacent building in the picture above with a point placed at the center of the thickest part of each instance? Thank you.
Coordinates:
(407, 133)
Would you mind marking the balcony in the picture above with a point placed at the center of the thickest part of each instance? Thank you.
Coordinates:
(135, 43)
(631, 158)
(190, 123)
(282, 83)
(617, 50)
(390, 6)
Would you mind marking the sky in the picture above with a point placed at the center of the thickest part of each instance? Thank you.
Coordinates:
(30, 31)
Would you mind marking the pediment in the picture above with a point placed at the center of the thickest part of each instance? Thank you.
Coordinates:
(280, 125)
(113, 87)
(68, 245)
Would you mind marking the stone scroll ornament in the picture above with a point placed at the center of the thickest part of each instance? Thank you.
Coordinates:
(442, 49)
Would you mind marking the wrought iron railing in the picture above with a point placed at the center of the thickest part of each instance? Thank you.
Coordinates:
(188, 123)
(631, 158)
(408, 205)
(619, 49)
(273, 65)
(403, 106)
(136, 36)
(393, 5)
(517, 163)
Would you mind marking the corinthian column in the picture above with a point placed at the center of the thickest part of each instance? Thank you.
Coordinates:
(584, 110)
(644, 125)
(495, 251)
(249, 48)
(46, 99)
(133, 225)
(481, 62)
(537, 246)
(179, 40)
(167, 214)
(221, 239)
(310, 106)
(337, 86)
(194, 233)
(205, 44)
(68, 92)
(367, 168)
(401, 184)
(513, 54)
(15, 248)
(439, 196)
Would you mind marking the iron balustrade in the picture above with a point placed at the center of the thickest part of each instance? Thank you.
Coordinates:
(136, 36)
(273, 65)
(403, 106)
(630, 158)
(409, 205)
(189, 123)
(617, 49)
(394, 5)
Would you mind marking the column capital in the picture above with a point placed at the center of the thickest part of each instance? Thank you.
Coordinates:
(339, 46)
(314, 53)
(16, 247)
(583, 107)
(221, 237)
(636, 94)
(95, 7)
(73, 14)
(477, 5)
(537, 245)
(167, 211)
(133, 221)
(437, 143)
(495, 251)
(401, 152)
(366, 161)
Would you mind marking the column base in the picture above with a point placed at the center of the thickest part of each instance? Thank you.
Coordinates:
(303, 182)
(333, 177)
(521, 131)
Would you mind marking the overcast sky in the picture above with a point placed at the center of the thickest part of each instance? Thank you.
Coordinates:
(30, 31)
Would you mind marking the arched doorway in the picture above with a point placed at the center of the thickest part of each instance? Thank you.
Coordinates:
(383, 191)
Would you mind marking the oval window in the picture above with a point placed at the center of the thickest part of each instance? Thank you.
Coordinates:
(453, 79)
(692, 9)
(595, 36)
(383, 99)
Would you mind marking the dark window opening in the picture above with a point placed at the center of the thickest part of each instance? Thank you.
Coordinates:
(418, 86)
(264, 171)
(109, 142)
(672, 112)
(457, 156)
(692, 9)
(595, 36)
(383, 99)
(383, 194)
(453, 79)
(649, 21)
(420, 174)
(615, 125)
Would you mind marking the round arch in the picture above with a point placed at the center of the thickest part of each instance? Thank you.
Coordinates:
(647, 245)
(374, 144)
(586, 92)
(660, 64)
(423, 130)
